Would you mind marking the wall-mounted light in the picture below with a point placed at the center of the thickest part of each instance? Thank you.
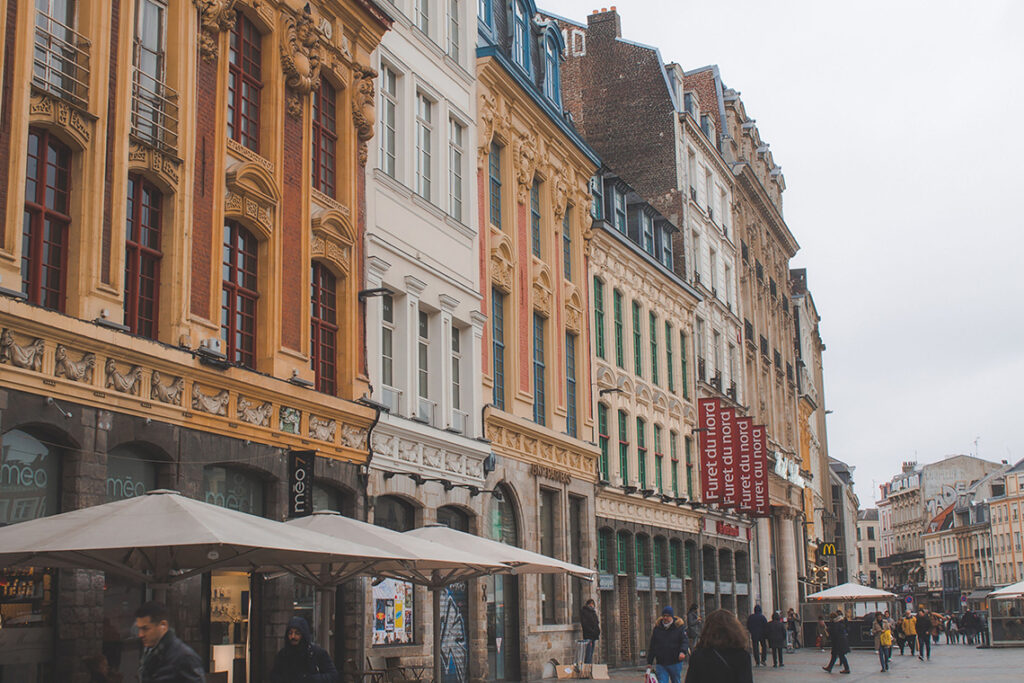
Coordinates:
(300, 381)
(365, 294)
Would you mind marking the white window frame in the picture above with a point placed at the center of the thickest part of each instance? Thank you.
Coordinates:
(422, 15)
(422, 354)
(456, 368)
(424, 143)
(389, 90)
(454, 23)
(456, 168)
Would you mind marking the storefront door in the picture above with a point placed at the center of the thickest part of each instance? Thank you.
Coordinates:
(503, 628)
(229, 624)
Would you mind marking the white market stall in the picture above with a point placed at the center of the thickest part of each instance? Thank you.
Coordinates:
(1006, 616)
(857, 602)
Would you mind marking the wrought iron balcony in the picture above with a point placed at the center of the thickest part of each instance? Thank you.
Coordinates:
(60, 63)
(154, 104)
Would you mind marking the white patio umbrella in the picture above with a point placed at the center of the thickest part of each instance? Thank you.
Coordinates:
(851, 592)
(163, 537)
(1014, 590)
(517, 561)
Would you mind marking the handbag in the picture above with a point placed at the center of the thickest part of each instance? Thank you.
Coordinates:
(649, 677)
(885, 638)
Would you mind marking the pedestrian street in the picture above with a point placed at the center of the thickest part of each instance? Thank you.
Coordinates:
(949, 664)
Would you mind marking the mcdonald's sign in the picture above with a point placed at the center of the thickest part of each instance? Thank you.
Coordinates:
(828, 549)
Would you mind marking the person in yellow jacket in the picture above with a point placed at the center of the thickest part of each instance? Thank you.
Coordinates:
(909, 630)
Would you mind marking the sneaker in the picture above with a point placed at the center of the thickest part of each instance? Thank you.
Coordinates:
(825, 668)
(845, 671)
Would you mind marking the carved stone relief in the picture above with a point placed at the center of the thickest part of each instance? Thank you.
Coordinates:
(157, 162)
(353, 437)
(28, 356)
(289, 419)
(253, 413)
(45, 108)
(127, 383)
(215, 404)
(215, 16)
(75, 370)
(526, 164)
(322, 429)
(363, 114)
(300, 58)
(166, 393)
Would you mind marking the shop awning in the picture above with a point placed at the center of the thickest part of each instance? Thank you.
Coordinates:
(1014, 590)
(162, 537)
(852, 592)
(978, 594)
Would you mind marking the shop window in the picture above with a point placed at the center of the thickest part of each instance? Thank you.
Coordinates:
(240, 295)
(233, 489)
(130, 473)
(501, 592)
(394, 513)
(455, 604)
(142, 257)
(393, 600)
(46, 222)
(622, 553)
(605, 541)
(245, 81)
(453, 518)
(323, 338)
(548, 546)
(330, 498)
(325, 137)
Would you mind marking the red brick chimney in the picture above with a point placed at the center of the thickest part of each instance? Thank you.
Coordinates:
(604, 24)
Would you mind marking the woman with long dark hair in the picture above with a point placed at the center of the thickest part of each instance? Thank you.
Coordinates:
(722, 654)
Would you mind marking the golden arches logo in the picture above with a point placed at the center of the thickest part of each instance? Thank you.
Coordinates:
(828, 549)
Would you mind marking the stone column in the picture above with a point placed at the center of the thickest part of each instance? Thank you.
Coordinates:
(763, 575)
(789, 593)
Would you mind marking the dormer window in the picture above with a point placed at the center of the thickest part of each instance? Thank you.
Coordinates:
(690, 104)
(597, 192)
(520, 34)
(707, 127)
(552, 87)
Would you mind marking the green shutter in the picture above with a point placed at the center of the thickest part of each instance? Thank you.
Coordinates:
(638, 367)
(668, 358)
(620, 359)
(599, 316)
(685, 376)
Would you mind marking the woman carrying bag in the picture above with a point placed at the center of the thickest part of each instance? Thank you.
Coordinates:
(722, 654)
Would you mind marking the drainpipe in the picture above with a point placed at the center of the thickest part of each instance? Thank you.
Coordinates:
(378, 408)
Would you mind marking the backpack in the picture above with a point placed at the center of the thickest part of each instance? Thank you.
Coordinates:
(885, 638)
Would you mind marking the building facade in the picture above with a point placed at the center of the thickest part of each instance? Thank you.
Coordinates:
(1007, 528)
(867, 548)
(180, 301)
(533, 173)
(845, 508)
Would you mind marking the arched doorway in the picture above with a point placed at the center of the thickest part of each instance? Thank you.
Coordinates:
(455, 627)
(502, 592)
(394, 601)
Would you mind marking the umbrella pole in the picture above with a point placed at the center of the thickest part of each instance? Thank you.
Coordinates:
(324, 618)
(435, 593)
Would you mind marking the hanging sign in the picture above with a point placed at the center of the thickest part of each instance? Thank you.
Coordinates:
(744, 463)
(709, 417)
(759, 465)
(300, 483)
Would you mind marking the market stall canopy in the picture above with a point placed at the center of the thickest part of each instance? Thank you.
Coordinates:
(424, 562)
(163, 537)
(519, 561)
(1014, 590)
(851, 592)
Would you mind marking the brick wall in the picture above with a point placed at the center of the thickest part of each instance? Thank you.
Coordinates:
(108, 173)
(5, 109)
(203, 188)
(291, 235)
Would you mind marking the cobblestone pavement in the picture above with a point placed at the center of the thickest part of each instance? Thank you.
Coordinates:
(949, 664)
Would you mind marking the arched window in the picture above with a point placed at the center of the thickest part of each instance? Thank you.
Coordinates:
(131, 472)
(622, 552)
(330, 498)
(453, 518)
(520, 34)
(44, 238)
(233, 489)
(676, 563)
(394, 513)
(552, 85)
(502, 523)
(142, 257)
(29, 478)
(660, 557)
(325, 137)
(324, 328)
(245, 81)
(238, 301)
(605, 543)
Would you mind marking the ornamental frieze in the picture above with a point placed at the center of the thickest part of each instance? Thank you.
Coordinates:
(536, 449)
(28, 356)
(215, 17)
(254, 412)
(153, 160)
(80, 370)
(650, 512)
(363, 100)
(129, 382)
(215, 404)
(300, 58)
(170, 393)
(43, 108)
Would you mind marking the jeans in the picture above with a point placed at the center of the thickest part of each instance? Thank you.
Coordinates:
(924, 642)
(588, 656)
(669, 672)
(883, 657)
(777, 656)
(761, 646)
(842, 660)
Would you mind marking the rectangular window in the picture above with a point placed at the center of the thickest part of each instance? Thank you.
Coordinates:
(688, 442)
(154, 110)
(597, 198)
(548, 546)
(619, 200)
(669, 364)
(713, 275)
(623, 448)
(871, 554)
(622, 552)
(483, 11)
(567, 243)
(535, 218)
(239, 295)
(423, 15)
(603, 439)
(456, 137)
(498, 347)
(728, 286)
(424, 132)
(456, 368)
(520, 34)
(570, 383)
(387, 341)
(388, 121)
(423, 356)
(324, 328)
(637, 341)
(641, 452)
(647, 233)
(325, 138)
(659, 461)
(666, 248)
(142, 257)
(454, 30)
(245, 82)
(552, 87)
(654, 346)
(599, 317)
(539, 407)
(684, 374)
(603, 541)
(659, 557)
(640, 551)
(494, 177)
(620, 355)
(673, 560)
(673, 444)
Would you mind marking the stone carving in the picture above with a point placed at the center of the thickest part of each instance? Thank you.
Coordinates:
(237, 204)
(455, 463)
(300, 57)
(541, 299)
(329, 249)
(573, 318)
(154, 160)
(328, 202)
(407, 450)
(288, 419)
(169, 393)
(128, 383)
(383, 444)
(249, 411)
(74, 370)
(241, 150)
(61, 113)
(433, 457)
(29, 356)
(487, 113)
(526, 164)
(215, 16)
(322, 429)
(353, 437)
(501, 273)
(217, 404)
(363, 114)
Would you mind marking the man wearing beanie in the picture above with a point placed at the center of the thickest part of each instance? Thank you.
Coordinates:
(668, 647)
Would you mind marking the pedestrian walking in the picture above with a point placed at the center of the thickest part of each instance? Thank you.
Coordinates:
(923, 625)
(821, 633)
(909, 633)
(301, 660)
(952, 631)
(889, 624)
(591, 626)
(883, 638)
(777, 639)
(721, 655)
(693, 625)
(840, 638)
(165, 659)
(668, 647)
(793, 625)
(937, 627)
(757, 625)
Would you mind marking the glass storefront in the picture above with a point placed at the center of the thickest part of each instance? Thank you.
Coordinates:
(130, 473)
(233, 489)
(29, 489)
(501, 593)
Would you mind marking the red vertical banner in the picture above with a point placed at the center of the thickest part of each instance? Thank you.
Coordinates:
(759, 461)
(744, 463)
(727, 451)
(709, 410)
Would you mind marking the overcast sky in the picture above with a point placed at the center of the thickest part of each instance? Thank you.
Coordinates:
(898, 126)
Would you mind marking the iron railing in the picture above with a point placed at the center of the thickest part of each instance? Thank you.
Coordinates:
(60, 63)
(154, 104)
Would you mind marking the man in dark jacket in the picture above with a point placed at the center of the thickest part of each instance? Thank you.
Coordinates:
(591, 629)
(165, 659)
(839, 636)
(668, 647)
(923, 623)
(757, 624)
(693, 625)
(301, 660)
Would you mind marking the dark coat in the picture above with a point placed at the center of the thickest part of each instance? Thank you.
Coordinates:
(590, 623)
(667, 643)
(776, 633)
(693, 625)
(757, 625)
(923, 624)
(303, 663)
(839, 637)
(171, 661)
(709, 665)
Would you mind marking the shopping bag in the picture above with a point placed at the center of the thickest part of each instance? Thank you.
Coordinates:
(885, 638)
(649, 676)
